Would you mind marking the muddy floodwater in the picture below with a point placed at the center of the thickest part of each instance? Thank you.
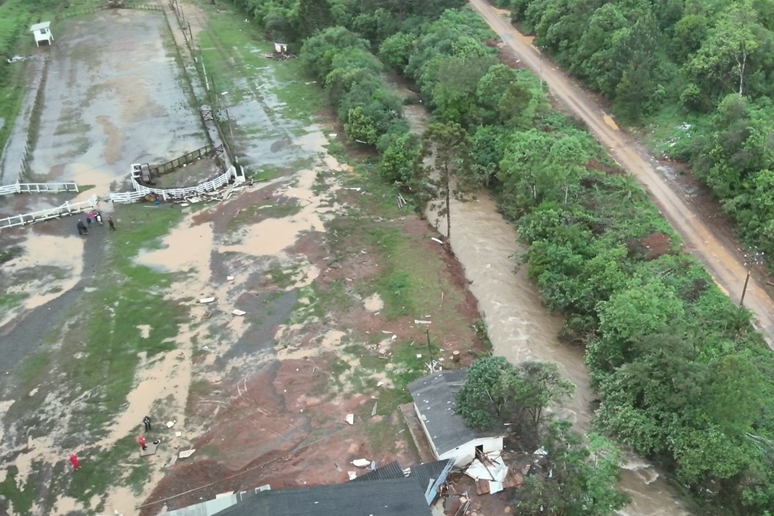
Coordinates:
(114, 96)
(520, 328)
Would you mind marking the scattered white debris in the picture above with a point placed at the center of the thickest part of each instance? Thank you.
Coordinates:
(184, 204)
(170, 424)
(178, 434)
(230, 278)
(354, 189)
(436, 240)
(419, 355)
(352, 475)
(206, 300)
(387, 332)
(351, 419)
(236, 311)
(185, 454)
(333, 135)
(380, 384)
(541, 451)
(361, 463)
(417, 321)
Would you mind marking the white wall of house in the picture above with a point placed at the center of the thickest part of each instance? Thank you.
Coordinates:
(464, 455)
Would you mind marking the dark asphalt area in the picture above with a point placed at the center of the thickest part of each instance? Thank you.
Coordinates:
(21, 337)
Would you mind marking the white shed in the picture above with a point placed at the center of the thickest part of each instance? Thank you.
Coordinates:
(450, 438)
(42, 32)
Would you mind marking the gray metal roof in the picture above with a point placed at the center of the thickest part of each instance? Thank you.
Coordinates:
(431, 472)
(434, 397)
(211, 507)
(391, 497)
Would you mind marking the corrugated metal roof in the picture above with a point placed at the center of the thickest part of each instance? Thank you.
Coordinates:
(391, 497)
(432, 472)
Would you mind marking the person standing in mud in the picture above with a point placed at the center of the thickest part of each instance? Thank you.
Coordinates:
(141, 442)
(111, 223)
(82, 230)
(147, 422)
(74, 461)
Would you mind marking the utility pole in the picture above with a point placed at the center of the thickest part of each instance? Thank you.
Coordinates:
(429, 349)
(751, 259)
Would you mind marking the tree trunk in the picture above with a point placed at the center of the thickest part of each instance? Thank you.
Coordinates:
(448, 211)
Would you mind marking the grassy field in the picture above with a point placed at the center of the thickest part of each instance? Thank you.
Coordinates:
(96, 358)
(16, 16)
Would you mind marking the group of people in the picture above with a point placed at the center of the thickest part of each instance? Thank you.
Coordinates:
(94, 216)
(146, 421)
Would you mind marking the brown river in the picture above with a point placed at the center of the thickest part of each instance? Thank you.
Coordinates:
(521, 328)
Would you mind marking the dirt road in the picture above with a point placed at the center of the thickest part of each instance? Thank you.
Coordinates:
(725, 264)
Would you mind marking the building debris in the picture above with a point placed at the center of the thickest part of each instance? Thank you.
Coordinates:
(170, 424)
(236, 311)
(206, 300)
(418, 321)
(186, 453)
(352, 475)
(350, 419)
(361, 463)
(489, 471)
(373, 410)
(230, 278)
(436, 240)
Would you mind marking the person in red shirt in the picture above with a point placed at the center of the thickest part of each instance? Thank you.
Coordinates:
(74, 461)
(141, 442)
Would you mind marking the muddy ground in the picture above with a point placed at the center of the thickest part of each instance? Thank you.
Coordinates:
(99, 331)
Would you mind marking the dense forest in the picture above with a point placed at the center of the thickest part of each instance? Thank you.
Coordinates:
(682, 377)
(710, 61)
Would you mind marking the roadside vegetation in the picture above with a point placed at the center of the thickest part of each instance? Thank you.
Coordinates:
(682, 376)
(699, 75)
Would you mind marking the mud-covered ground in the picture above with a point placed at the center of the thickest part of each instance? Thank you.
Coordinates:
(99, 331)
(114, 97)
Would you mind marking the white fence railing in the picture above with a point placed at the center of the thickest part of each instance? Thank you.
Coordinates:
(68, 208)
(166, 194)
(38, 188)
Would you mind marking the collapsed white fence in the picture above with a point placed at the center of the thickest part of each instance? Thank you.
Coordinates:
(68, 208)
(38, 188)
(140, 191)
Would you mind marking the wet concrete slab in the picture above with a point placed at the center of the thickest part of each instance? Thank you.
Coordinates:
(114, 97)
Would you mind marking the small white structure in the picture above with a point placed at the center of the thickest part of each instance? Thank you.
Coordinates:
(450, 438)
(42, 32)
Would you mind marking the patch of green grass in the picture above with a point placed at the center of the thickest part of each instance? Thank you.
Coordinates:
(228, 36)
(407, 366)
(108, 341)
(8, 301)
(99, 471)
(8, 254)
(265, 210)
(21, 496)
(281, 276)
